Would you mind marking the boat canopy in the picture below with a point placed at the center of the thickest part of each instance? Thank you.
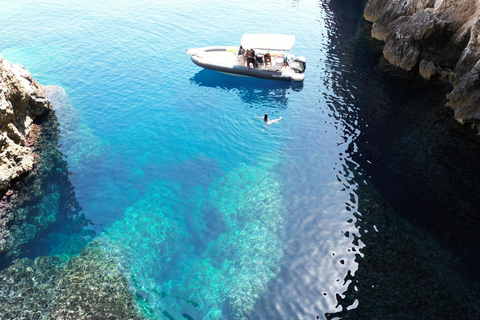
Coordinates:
(279, 42)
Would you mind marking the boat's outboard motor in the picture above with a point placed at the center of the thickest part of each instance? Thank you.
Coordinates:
(299, 64)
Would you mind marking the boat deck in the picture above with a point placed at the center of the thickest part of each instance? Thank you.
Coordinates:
(275, 66)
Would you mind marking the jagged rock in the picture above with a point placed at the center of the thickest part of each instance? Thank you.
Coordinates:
(465, 98)
(427, 69)
(471, 53)
(402, 51)
(436, 38)
(21, 100)
(383, 12)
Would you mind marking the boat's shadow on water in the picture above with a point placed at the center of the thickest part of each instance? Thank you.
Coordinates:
(250, 90)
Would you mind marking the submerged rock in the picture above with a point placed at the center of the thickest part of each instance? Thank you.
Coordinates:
(148, 264)
(437, 38)
(156, 246)
(77, 141)
(88, 286)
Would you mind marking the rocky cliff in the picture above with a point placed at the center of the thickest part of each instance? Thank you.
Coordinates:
(22, 99)
(438, 39)
(35, 190)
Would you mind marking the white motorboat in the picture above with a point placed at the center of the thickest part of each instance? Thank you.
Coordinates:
(270, 58)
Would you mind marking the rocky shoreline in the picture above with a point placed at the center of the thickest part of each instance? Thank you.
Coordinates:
(38, 204)
(25, 163)
(36, 194)
(439, 39)
(22, 100)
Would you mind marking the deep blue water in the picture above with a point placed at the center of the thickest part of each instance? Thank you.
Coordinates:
(187, 189)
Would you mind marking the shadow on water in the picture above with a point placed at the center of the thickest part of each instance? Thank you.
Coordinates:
(250, 90)
(416, 173)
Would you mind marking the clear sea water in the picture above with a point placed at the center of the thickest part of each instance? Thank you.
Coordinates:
(193, 194)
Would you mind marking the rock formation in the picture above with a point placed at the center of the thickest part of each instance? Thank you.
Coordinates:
(22, 99)
(438, 39)
(35, 190)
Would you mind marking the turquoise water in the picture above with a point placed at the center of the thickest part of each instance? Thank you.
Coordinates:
(207, 210)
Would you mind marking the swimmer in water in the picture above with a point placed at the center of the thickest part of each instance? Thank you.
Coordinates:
(268, 121)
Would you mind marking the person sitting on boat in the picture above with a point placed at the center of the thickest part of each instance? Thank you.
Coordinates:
(267, 58)
(250, 58)
(286, 59)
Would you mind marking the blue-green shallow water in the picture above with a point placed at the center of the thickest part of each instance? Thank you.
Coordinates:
(194, 197)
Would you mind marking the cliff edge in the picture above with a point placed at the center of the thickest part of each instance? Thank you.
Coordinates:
(22, 99)
(438, 39)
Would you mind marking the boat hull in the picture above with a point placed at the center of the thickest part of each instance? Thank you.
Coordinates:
(224, 59)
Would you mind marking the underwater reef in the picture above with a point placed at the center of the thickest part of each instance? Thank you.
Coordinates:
(162, 259)
(88, 286)
(156, 246)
